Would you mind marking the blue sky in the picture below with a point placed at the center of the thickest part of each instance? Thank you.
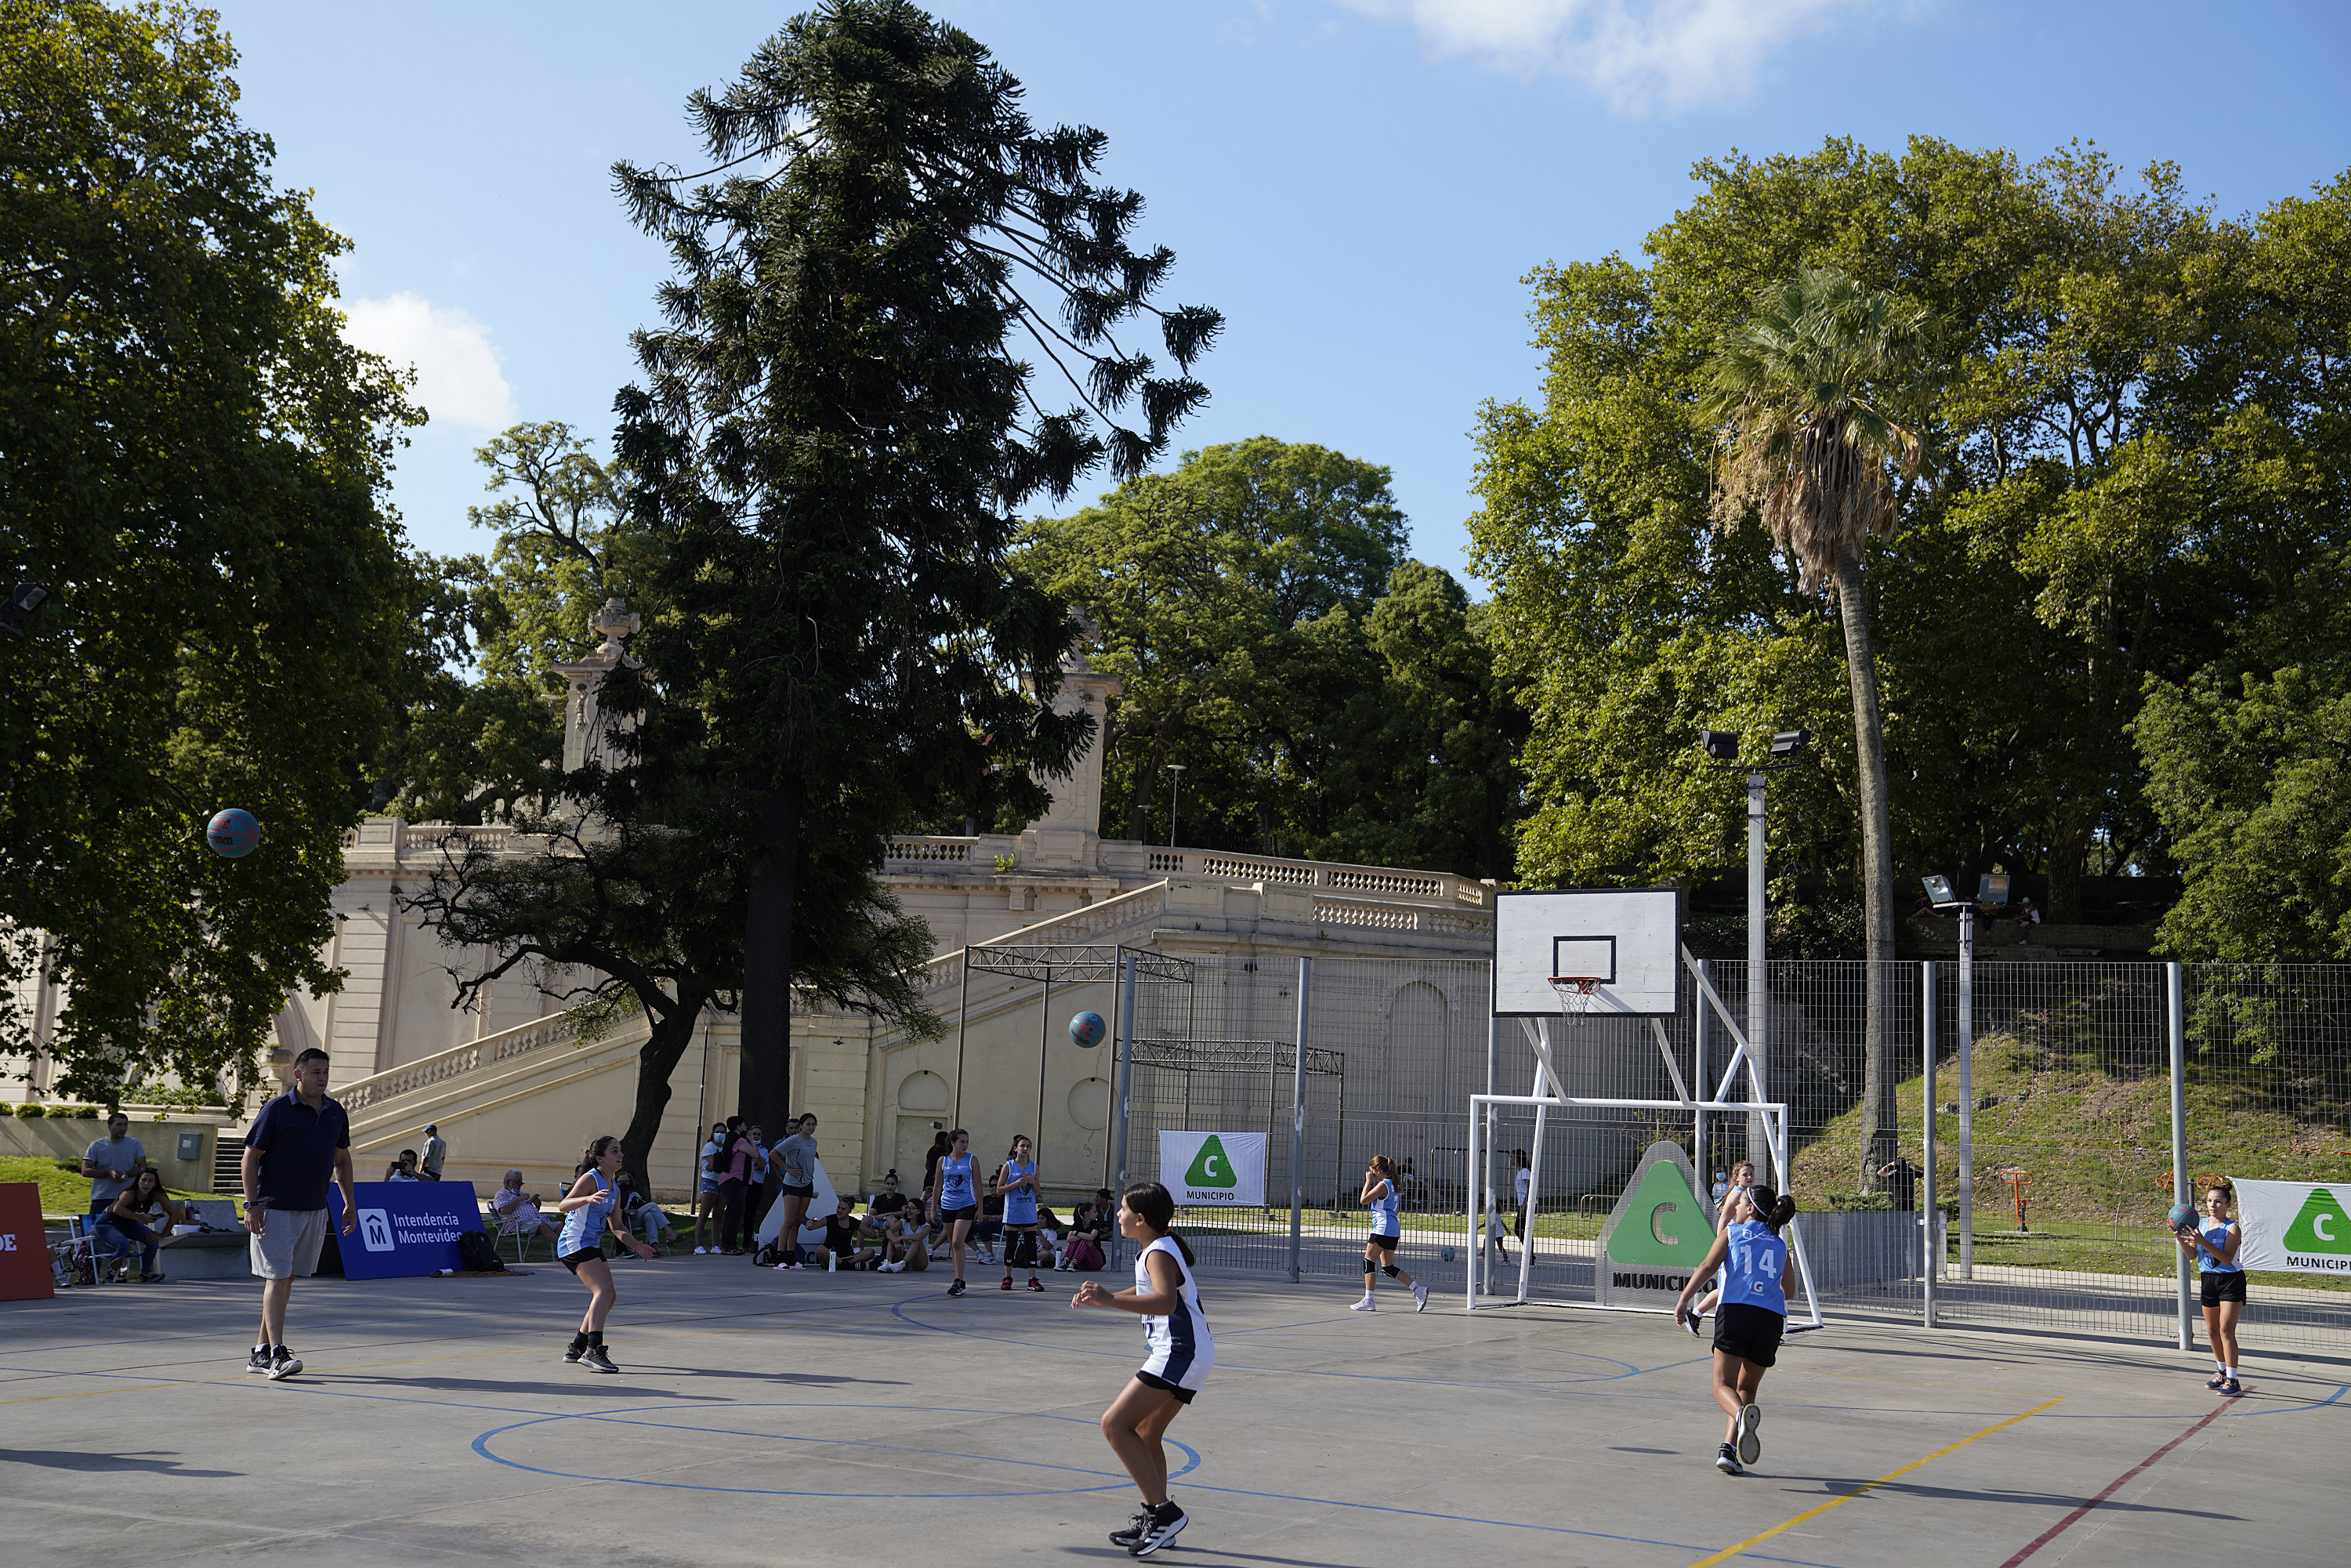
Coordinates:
(1360, 185)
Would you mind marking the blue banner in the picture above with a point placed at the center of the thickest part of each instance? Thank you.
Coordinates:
(406, 1227)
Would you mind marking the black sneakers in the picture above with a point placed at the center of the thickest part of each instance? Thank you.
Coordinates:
(284, 1363)
(1751, 1441)
(257, 1361)
(956, 1289)
(594, 1359)
(1166, 1522)
(1136, 1529)
(1727, 1461)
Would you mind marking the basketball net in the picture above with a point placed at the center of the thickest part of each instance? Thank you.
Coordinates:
(1575, 994)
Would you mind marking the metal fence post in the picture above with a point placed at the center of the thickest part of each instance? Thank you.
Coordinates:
(2175, 1031)
(1297, 1122)
(1125, 1089)
(1702, 1086)
(1486, 1243)
(1967, 1090)
(1930, 1261)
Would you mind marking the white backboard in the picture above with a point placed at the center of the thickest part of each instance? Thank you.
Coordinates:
(1631, 937)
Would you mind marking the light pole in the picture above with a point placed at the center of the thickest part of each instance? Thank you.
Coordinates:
(1939, 894)
(1722, 746)
(1174, 790)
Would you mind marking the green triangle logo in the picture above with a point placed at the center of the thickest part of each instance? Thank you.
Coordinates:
(1663, 1224)
(2320, 1226)
(1211, 1166)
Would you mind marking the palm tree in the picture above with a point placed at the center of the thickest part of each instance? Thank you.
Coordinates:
(1801, 399)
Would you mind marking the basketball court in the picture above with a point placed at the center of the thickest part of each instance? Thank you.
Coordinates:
(766, 1417)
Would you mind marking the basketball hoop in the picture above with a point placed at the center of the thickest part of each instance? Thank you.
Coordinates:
(1575, 993)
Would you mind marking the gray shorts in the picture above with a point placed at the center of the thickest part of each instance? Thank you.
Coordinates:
(288, 1249)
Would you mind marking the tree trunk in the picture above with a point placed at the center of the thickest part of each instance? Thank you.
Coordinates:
(763, 1085)
(1876, 873)
(673, 1032)
(2070, 831)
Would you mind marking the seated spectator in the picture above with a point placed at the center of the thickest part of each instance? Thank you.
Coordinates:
(1048, 1239)
(137, 1221)
(645, 1216)
(403, 1168)
(908, 1245)
(838, 1249)
(1082, 1247)
(518, 1211)
(889, 1200)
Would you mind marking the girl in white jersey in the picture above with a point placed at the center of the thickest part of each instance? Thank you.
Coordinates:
(1387, 1229)
(955, 1201)
(1175, 1331)
(1756, 1279)
(590, 1208)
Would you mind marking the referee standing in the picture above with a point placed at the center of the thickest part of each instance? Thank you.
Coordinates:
(298, 1140)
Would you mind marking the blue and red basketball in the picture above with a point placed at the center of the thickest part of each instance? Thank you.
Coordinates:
(2181, 1218)
(1087, 1028)
(232, 834)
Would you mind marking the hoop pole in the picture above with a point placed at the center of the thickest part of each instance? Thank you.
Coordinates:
(1470, 1272)
(1126, 1087)
(2175, 1032)
(1931, 1255)
(1540, 1032)
(1493, 1061)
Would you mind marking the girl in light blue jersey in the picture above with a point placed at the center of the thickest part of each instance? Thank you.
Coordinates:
(2214, 1245)
(955, 1201)
(1387, 1229)
(1757, 1276)
(590, 1210)
(1181, 1353)
(1017, 1183)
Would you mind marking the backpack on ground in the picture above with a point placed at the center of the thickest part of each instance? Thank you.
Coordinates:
(479, 1254)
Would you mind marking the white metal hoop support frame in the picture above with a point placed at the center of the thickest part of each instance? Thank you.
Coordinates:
(1549, 1091)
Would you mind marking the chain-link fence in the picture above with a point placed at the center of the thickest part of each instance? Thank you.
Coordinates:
(2064, 1104)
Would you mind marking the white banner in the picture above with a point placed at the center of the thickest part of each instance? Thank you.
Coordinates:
(1202, 1168)
(2297, 1227)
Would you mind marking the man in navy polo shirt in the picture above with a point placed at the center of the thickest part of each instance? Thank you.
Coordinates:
(299, 1141)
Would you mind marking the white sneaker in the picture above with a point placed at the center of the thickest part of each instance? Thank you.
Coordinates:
(1419, 1297)
(700, 1251)
(1365, 1306)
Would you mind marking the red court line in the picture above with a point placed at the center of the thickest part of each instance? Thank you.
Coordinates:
(2049, 1534)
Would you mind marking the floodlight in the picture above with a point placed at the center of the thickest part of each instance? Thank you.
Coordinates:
(1938, 890)
(1722, 745)
(28, 597)
(1789, 743)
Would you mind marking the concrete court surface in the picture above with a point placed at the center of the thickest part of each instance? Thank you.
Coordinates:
(804, 1418)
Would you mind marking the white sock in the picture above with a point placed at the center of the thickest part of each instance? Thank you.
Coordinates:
(2231, 1372)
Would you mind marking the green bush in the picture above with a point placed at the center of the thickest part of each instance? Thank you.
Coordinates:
(63, 1113)
(30, 1111)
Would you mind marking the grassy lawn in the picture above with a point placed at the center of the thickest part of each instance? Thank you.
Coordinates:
(64, 1189)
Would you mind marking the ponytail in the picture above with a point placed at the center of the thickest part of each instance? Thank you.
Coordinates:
(1155, 1208)
(1774, 1209)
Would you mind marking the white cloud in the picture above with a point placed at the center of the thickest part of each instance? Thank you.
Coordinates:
(459, 378)
(1638, 57)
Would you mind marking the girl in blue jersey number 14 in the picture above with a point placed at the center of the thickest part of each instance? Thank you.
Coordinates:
(1181, 1353)
(1757, 1276)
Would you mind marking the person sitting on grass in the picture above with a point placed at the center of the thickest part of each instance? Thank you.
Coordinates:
(645, 1216)
(137, 1221)
(518, 1211)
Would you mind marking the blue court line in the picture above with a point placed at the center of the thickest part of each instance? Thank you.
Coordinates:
(1116, 1482)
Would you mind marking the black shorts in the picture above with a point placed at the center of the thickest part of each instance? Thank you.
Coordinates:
(948, 1217)
(792, 1191)
(572, 1261)
(1386, 1244)
(2225, 1287)
(1749, 1333)
(1153, 1380)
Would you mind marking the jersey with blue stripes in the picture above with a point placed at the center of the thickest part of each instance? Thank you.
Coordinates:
(1181, 1348)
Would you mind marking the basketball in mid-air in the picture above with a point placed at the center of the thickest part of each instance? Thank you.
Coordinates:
(1087, 1028)
(2181, 1218)
(1445, 1253)
(232, 834)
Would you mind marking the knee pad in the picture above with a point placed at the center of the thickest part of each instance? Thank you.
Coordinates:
(1368, 1267)
(1390, 1269)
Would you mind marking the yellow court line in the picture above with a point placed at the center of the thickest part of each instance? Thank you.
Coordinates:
(1730, 1552)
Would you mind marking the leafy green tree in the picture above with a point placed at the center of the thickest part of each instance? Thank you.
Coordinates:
(1229, 597)
(1804, 397)
(192, 465)
(833, 432)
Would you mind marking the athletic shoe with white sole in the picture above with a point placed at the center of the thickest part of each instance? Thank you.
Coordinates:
(1036, 1285)
(1136, 1529)
(1365, 1306)
(1726, 1461)
(1692, 1322)
(257, 1361)
(1166, 1521)
(284, 1363)
(1750, 1445)
(2219, 1380)
(1419, 1297)
(956, 1289)
(594, 1359)
(2230, 1389)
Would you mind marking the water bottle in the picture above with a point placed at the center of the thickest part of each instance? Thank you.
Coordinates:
(833, 1262)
